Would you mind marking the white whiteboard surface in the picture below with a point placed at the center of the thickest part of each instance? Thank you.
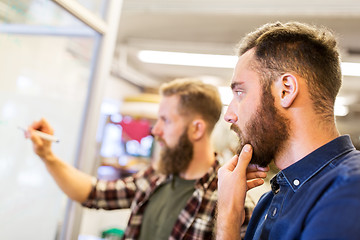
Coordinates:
(39, 77)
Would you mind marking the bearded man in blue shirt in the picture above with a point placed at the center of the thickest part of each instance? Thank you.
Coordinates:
(284, 85)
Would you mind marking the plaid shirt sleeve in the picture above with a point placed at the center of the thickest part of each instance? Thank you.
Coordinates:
(117, 194)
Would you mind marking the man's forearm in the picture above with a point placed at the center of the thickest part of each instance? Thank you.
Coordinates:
(232, 187)
(74, 183)
(229, 225)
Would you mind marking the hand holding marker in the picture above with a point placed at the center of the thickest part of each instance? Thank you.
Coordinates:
(43, 135)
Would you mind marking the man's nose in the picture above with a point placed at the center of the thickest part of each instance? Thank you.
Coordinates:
(156, 129)
(230, 115)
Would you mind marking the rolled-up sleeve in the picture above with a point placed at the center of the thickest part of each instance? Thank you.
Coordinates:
(111, 195)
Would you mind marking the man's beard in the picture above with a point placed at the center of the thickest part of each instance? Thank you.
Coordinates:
(176, 159)
(266, 131)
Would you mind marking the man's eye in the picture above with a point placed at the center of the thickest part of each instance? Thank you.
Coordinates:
(238, 93)
(166, 121)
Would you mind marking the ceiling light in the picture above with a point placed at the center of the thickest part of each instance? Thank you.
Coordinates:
(346, 100)
(342, 103)
(213, 60)
(341, 110)
(188, 59)
(350, 69)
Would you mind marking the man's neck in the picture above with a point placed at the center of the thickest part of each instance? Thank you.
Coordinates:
(303, 142)
(200, 164)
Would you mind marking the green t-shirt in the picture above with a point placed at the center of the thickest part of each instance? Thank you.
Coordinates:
(164, 207)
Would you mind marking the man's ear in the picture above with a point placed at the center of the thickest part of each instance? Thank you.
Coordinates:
(197, 129)
(288, 87)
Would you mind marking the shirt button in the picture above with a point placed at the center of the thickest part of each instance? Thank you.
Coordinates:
(274, 212)
(296, 182)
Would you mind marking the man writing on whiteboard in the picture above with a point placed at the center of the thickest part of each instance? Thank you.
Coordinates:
(175, 199)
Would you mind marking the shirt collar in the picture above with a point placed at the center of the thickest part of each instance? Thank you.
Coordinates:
(209, 176)
(204, 181)
(301, 171)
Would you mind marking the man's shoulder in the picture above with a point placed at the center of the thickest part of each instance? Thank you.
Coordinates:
(344, 175)
(349, 164)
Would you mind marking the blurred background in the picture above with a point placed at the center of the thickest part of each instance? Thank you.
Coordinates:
(92, 68)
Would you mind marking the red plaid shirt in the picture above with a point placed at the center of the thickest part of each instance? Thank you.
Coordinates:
(196, 221)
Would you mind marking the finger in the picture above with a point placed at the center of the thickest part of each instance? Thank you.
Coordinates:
(42, 126)
(255, 168)
(30, 132)
(244, 157)
(35, 125)
(254, 183)
(230, 165)
(253, 175)
(46, 127)
(35, 138)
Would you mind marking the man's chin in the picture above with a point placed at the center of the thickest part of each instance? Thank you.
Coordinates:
(263, 162)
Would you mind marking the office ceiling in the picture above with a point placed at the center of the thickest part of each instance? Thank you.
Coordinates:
(215, 27)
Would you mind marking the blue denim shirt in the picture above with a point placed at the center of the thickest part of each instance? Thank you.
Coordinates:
(317, 197)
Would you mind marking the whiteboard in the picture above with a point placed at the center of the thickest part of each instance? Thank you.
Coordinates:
(40, 77)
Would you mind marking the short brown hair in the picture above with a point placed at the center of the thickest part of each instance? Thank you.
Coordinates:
(309, 51)
(196, 97)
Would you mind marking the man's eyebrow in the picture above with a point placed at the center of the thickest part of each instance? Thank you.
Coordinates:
(236, 84)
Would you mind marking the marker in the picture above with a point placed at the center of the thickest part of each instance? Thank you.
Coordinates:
(43, 135)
